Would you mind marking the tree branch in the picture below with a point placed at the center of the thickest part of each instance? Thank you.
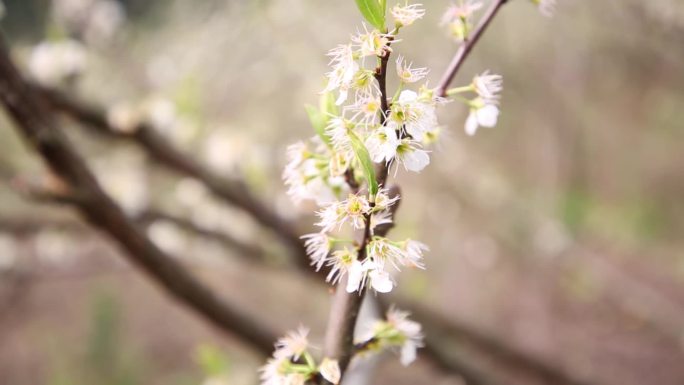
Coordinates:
(465, 48)
(233, 192)
(344, 312)
(35, 121)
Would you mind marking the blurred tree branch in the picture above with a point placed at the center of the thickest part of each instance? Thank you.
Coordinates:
(232, 191)
(35, 121)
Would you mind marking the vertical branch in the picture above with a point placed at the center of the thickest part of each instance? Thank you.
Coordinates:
(466, 47)
(344, 312)
(345, 306)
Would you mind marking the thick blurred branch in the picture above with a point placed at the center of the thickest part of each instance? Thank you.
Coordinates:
(41, 193)
(232, 191)
(441, 331)
(35, 121)
(467, 46)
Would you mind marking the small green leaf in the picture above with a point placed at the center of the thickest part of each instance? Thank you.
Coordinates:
(366, 163)
(373, 11)
(327, 105)
(319, 121)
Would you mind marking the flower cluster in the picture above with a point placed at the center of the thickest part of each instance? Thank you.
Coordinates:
(369, 266)
(360, 124)
(357, 128)
(293, 364)
(397, 332)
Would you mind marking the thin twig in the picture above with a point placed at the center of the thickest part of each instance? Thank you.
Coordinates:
(466, 47)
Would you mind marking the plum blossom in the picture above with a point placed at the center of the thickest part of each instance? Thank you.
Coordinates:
(396, 332)
(407, 73)
(410, 334)
(415, 113)
(317, 248)
(344, 67)
(353, 210)
(488, 85)
(293, 345)
(407, 14)
(368, 271)
(458, 18)
(373, 43)
(482, 113)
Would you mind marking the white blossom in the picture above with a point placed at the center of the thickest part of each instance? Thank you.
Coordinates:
(344, 67)
(411, 156)
(330, 370)
(407, 73)
(293, 345)
(307, 175)
(274, 372)
(410, 332)
(338, 131)
(366, 108)
(407, 14)
(458, 18)
(382, 143)
(382, 250)
(385, 145)
(124, 117)
(481, 114)
(353, 210)
(382, 199)
(317, 247)
(380, 218)
(488, 85)
(414, 253)
(373, 43)
(53, 62)
(414, 113)
(368, 271)
(340, 261)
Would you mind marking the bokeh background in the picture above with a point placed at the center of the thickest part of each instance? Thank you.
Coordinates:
(559, 233)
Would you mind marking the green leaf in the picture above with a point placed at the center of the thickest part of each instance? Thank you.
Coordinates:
(373, 11)
(327, 105)
(366, 163)
(319, 121)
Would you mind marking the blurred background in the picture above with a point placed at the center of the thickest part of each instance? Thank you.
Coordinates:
(558, 234)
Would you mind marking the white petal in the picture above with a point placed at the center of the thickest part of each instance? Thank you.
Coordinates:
(416, 160)
(355, 276)
(488, 115)
(343, 96)
(330, 370)
(407, 96)
(408, 353)
(471, 124)
(381, 281)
